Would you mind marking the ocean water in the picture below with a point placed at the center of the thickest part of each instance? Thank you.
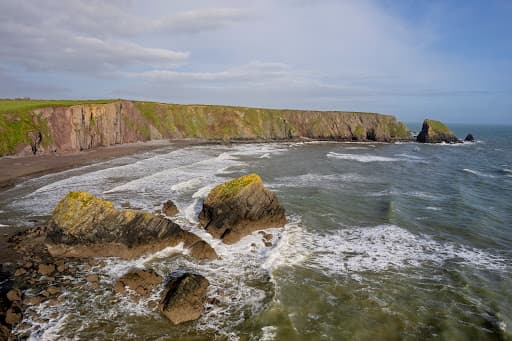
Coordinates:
(384, 241)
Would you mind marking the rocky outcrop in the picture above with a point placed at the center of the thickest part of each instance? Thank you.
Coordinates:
(469, 138)
(89, 125)
(240, 206)
(436, 132)
(169, 208)
(142, 282)
(184, 298)
(83, 225)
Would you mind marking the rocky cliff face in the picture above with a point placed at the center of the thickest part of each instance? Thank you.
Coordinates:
(86, 126)
(436, 132)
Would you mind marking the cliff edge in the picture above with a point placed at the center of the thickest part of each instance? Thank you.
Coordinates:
(41, 127)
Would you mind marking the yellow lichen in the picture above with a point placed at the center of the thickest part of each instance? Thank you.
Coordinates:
(232, 187)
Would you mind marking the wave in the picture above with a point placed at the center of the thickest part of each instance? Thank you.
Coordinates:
(478, 173)
(187, 185)
(361, 158)
(315, 180)
(2, 225)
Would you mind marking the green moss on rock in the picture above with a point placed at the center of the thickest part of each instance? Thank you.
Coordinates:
(231, 188)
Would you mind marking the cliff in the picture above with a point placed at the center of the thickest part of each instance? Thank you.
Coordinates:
(68, 126)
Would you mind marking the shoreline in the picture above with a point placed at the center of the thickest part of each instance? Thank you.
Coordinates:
(14, 169)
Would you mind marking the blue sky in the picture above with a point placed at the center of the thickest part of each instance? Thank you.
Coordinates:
(447, 60)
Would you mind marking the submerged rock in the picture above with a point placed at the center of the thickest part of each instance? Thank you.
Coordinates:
(140, 281)
(184, 297)
(169, 208)
(84, 226)
(239, 207)
(436, 132)
(469, 138)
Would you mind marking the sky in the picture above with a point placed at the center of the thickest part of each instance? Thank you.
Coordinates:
(446, 60)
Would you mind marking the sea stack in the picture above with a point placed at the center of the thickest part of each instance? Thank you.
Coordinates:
(239, 207)
(436, 132)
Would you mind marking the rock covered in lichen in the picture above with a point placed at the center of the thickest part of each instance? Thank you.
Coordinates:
(83, 225)
(184, 297)
(436, 132)
(240, 206)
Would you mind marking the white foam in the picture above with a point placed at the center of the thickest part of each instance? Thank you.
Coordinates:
(192, 211)
(433, 208)
(316, 180)
(187, 185)
(478, 173)
(269, 333)
(2, 225)
(387, 247)
(361, 158)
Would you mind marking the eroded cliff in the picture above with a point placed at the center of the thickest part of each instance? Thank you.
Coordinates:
(85, 126)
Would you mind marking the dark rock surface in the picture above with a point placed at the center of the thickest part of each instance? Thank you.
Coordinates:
(469, 138)
(239, 207)
(184, 297)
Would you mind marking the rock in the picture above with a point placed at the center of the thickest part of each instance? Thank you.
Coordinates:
(13, 315)
(20, 272)
(85, 226)
(53, 290)
(141, 281)
(169, 208)
(14, 295)
(46, 269)
(469, 138)
(240, 206)
(184, 298)
(33, 300)
(61, 268)
(92, 278)
(436, 132)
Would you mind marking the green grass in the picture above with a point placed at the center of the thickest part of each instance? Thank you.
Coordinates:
(232, 187)
(17, 121)
(438, 127)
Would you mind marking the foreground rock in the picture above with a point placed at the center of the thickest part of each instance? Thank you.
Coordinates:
(142, 282)
(240, 206)
(184, 298)
(436, 132)
(83, 226)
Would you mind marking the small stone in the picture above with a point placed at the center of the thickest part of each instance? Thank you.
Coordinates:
(13, 315)
(14, 295)
(45, 293)
(268, 244)
(53, 290)
(92, 278)
(61, 267)
(34, 300)
(46, 269)
(95, 285)
(169, 208)
(20, 272)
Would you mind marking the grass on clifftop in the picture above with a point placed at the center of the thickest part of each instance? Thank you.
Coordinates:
(232, 187)
(16, 120)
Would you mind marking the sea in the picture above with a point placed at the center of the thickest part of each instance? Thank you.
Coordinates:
(400, 241)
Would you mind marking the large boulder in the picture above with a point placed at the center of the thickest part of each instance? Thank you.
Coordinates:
(436, 132)
(142, 282)
(469, 138)
(240, 206)
(184, 297)
(83, 225)
(169, 208)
